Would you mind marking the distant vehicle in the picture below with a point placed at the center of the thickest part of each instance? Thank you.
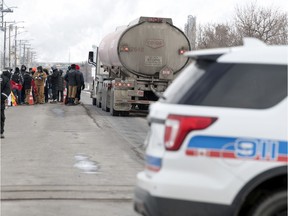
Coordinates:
(218, 139)
(140, 61)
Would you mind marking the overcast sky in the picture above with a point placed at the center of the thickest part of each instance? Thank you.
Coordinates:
(60, 27)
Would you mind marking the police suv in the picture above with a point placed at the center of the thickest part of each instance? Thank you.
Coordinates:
(218, 138)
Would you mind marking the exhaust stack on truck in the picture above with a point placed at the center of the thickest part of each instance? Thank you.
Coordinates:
(141, 60)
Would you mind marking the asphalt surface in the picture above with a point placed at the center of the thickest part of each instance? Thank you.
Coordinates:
(70, 160)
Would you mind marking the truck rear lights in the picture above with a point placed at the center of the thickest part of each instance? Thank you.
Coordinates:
(181, 51)
(155, 20)
(122, 84)
(124, 49)
(177, 127)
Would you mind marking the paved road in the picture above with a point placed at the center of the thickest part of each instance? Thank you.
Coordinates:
(133, 128)
(60, 160)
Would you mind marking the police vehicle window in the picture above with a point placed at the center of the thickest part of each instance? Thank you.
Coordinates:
(241, 86)
(184, 81)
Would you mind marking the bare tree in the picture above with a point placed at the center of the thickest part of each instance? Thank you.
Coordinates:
(267, 24)
(216, 35)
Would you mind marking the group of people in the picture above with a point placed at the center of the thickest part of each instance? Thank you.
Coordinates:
(47, 85)
(43, 84)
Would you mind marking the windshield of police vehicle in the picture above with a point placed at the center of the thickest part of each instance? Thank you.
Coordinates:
(251, 86)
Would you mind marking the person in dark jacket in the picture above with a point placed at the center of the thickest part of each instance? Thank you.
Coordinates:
(66, 85)
(34, 88)
(70, 77)
(80, 84)
(46, 85)
(5, 92)
(23, 70)
(27, 86)
(60, 86)
(54, 83)
(18, 78)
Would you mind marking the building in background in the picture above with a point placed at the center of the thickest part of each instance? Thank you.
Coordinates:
(190, 31)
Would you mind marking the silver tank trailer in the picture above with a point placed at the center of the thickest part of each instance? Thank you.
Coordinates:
(145, 47)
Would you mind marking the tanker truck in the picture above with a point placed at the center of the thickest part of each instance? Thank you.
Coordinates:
(138, 62)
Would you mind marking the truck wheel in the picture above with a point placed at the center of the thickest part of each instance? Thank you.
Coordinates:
(98, 104)
(272, 204)
(114, 112)
(125, 113)
(94, 101)
(143, 106)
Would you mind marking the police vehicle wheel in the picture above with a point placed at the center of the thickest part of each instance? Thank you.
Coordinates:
(273, 204)
(94, 101)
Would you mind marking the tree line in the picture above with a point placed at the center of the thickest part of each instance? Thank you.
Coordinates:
(267, 24)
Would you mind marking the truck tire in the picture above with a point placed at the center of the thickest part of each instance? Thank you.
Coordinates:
(94, 101)
(124, 113)
(114, 112)
(272, 204)
(98, 103)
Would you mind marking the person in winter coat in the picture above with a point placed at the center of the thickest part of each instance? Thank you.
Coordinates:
(34, 88)
(40, 77)
(46, 85)
(17, 89)
(66, 84)
(60, 86)
(54, 83)
(27, 86)
(23, 71)
(70, 77)
(80, 84)
(5, 92)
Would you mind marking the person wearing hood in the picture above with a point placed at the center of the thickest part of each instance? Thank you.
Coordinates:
(5, 92)
(23, 70)
(60, 86)
(17, 82)
(27, 86)
(46, 85)
(34, 88)
(54, 83)
(40, 77)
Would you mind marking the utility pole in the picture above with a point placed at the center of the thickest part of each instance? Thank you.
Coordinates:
(9, 43)
(16, 33)
(24, 54)
(15, 50)
(3, 28)
(20, 50)
(28, 56)
(2, 11)
(4, 54)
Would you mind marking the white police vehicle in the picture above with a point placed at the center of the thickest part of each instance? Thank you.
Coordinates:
(218, 139)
